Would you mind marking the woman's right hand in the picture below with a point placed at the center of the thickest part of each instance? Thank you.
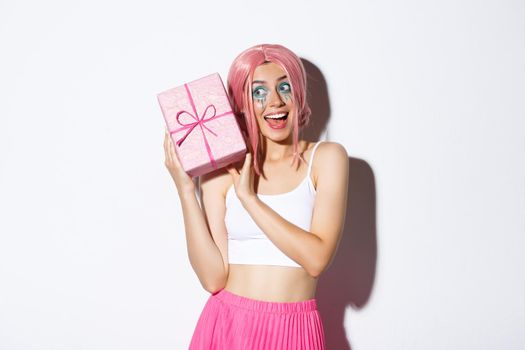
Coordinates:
(182, 180)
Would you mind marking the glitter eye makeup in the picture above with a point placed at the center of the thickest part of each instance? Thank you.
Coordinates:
(259, 93)
(285, 88)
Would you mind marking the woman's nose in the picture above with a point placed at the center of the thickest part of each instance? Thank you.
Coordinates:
(276, 99)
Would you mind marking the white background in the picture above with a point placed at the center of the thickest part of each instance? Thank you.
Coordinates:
(426, 96)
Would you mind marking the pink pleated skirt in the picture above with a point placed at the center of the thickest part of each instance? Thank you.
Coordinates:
(233, 322)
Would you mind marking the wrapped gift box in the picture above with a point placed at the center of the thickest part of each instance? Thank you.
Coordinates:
(202, 125)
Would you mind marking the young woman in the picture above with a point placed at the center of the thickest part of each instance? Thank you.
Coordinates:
(268, 227)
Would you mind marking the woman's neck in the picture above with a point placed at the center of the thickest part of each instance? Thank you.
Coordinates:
(276, 151)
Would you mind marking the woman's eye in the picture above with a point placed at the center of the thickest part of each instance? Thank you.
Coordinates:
(259, 93)
(285, 87)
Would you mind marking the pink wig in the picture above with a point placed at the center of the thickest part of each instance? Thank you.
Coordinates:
(240, 79)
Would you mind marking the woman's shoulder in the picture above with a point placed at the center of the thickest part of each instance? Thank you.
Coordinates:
(329, 157)
(328, 151)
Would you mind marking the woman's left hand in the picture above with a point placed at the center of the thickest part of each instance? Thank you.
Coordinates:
(243, 180)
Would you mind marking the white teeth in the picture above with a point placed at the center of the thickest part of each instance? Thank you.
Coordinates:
(275, 116)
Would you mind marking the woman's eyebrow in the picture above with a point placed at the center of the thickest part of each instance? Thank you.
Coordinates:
(264, 82)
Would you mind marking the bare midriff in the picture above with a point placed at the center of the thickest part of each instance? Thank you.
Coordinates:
(271, 283)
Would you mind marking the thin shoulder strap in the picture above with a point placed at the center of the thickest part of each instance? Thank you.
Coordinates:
(310, 162)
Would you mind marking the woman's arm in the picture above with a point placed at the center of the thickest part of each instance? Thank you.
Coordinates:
(213, 199)
(205, 255)
(312, 250)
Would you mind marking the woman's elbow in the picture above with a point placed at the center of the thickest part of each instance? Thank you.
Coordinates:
(316, 269)
(212, 289)
(215, 285)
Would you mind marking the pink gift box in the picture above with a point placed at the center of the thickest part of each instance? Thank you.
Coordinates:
(202, 125)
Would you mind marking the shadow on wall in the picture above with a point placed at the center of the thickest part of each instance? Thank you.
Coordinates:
(350, 278)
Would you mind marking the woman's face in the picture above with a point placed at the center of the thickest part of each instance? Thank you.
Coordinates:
(272, 101)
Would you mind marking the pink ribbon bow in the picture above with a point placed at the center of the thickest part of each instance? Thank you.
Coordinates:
(200, 121)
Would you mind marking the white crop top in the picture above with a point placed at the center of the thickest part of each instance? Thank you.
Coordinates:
(247, 243)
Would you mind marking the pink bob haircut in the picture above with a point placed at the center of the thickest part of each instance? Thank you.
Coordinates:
(240, 79)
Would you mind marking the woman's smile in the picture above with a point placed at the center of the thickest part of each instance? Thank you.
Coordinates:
(277, 120)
